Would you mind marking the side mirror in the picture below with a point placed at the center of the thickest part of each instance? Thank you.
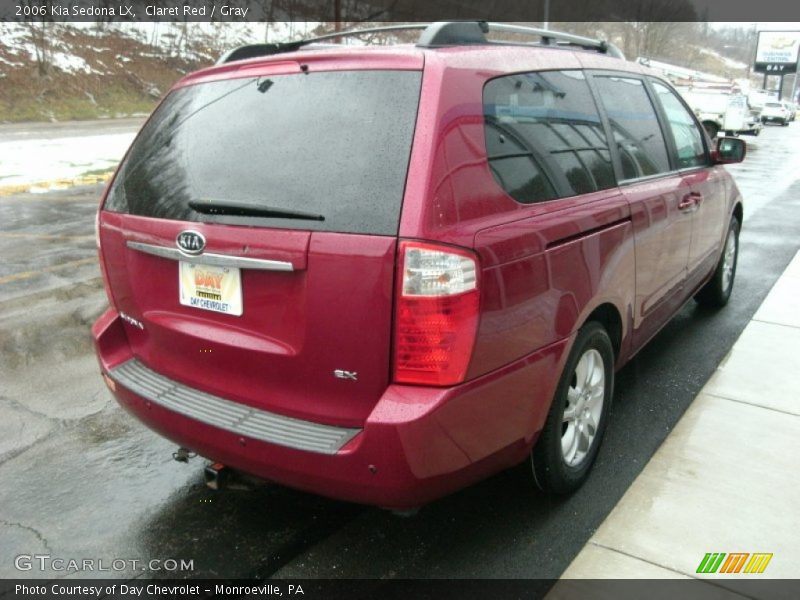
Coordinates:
(729, 150)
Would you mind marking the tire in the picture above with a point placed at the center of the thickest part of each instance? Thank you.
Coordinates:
(717, 292)
(711, 129)
(785, 123)
(559, 466)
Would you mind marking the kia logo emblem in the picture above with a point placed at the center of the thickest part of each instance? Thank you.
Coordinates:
(191, 242)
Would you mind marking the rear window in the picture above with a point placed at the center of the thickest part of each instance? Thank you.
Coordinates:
(321, 151)
(773, 105)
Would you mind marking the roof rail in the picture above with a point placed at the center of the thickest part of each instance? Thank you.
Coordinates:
(254, 50)
(435, 35)
(548, 37)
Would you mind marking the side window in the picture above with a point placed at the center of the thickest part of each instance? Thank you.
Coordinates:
(688, 138)
(636, 130)
(544, 137)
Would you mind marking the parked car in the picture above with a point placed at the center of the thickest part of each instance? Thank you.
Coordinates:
(791, 108)
(775, 112)
(383, 274)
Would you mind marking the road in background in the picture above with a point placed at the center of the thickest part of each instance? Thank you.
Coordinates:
(10, 132)
(81, 478)
(772, 164)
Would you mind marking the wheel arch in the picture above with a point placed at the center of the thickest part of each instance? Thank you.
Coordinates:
(608, 315)
(708, 122)
(738, 212)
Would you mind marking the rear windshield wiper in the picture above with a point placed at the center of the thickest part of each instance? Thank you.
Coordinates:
(244, 209)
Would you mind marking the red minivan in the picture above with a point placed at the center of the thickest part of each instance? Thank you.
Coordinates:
(383, 273)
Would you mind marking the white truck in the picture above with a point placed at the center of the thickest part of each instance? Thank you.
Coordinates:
(722, 110)
(718, 102)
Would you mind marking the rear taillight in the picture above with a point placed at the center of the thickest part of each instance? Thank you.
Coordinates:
(436, 315)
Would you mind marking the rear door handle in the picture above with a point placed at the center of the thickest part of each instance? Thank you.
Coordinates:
(687, 203)
(690, 202)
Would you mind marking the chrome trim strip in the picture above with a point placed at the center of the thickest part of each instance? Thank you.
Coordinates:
(217, 260)
(231, 416)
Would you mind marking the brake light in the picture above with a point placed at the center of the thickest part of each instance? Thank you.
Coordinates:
(437, 312)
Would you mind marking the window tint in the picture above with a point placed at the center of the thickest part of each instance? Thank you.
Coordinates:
(688, 139)
(335, 144)
(636, 130)
(544, 137)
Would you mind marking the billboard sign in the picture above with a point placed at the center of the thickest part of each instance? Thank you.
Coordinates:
(777, 52)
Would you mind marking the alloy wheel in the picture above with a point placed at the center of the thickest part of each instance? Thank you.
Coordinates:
(729, 260)
(585, 397)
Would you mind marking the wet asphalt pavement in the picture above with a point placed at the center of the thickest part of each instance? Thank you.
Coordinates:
(82, 479)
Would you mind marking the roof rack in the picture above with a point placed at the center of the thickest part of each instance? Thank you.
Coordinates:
(436, 35)
(254, 50)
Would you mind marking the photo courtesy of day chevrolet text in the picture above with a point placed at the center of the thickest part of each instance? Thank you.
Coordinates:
(151, 590)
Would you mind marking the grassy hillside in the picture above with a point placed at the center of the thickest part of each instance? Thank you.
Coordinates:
(88, 73)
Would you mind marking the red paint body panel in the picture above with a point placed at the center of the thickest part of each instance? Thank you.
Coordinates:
(544, 269)
(393, 58)
(663, 238)
(539, 287)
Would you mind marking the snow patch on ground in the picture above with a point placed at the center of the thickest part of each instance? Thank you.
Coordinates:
(69, 63)
(17, 41)
(10, 62)
(728, 62)
(31, 161)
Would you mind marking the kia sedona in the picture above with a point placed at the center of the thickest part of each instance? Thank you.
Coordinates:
(381, 274)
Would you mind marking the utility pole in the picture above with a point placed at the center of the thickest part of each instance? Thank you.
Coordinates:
(546, 24)
(793, 97)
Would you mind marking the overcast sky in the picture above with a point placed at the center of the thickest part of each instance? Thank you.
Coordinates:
(777, 26)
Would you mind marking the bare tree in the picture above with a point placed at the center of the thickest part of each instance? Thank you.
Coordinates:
(39, 25)
(104, 20)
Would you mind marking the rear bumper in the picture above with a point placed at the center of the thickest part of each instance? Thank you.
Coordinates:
(418, 443)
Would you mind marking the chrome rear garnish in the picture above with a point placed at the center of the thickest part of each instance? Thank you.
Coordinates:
(231, 416)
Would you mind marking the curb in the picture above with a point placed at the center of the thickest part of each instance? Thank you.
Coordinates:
(41, 187)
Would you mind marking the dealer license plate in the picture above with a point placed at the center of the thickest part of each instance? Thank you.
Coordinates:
(211, 288)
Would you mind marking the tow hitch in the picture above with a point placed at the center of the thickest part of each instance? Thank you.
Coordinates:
(182, 455)
(217, 476)
(220, 477)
